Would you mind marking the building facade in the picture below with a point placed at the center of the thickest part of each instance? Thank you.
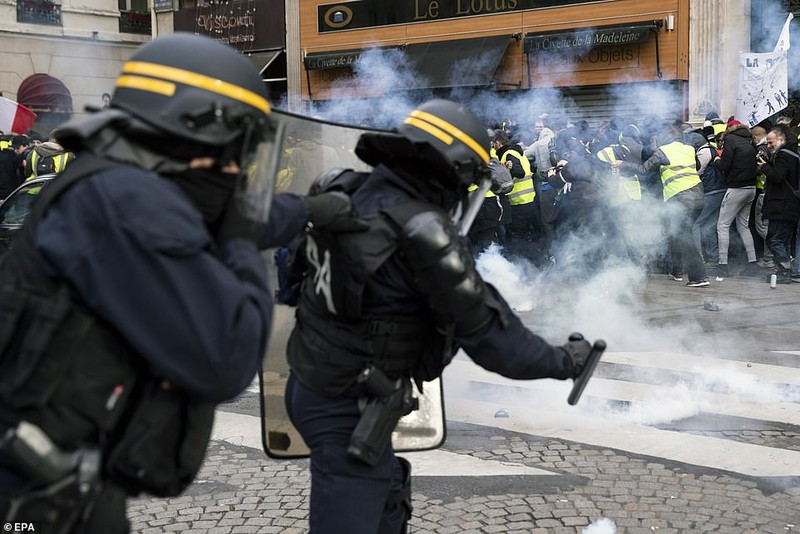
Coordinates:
(606, 57)
(60, 56)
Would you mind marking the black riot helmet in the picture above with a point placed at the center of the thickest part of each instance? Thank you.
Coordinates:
(203, 99)
(441, 134)
(455, 133)
(192, 88)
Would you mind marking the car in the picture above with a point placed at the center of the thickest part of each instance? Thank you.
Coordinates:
(16, 207)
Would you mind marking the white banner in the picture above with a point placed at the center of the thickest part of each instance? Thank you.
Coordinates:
(764, 81)
(763, 86)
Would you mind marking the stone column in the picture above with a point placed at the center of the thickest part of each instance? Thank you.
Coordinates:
(718, 31)
(294, 57)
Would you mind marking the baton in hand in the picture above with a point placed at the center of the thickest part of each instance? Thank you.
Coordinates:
(586, 373)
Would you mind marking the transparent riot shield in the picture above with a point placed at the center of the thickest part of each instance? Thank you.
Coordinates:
(310, 148)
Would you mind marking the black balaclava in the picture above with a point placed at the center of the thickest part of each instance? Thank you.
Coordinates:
(209, 189)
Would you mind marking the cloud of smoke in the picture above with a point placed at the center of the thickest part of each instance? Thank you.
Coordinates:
(599, 296)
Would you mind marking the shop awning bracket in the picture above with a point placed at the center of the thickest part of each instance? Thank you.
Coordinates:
(308, 77)
(657, 25)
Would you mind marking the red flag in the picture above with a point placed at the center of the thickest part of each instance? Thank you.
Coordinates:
(15, 118)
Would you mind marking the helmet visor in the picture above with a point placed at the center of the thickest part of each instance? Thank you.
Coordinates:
(259, 168)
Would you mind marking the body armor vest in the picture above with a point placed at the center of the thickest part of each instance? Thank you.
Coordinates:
(75, 377)
(334, 338)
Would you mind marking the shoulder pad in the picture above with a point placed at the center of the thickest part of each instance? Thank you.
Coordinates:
(337, 179)
(428, 234)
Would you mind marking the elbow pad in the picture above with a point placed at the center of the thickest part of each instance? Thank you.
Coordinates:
(444, 270)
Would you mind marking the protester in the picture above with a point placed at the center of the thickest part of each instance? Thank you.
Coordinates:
(683, 199)
(12, 165)
(781, 205)
(738, 164)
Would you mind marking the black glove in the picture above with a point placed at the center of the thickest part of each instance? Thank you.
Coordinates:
(235, 225)
(333, 212)
(578, 350)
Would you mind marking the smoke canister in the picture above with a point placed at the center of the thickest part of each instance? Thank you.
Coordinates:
(773, 281)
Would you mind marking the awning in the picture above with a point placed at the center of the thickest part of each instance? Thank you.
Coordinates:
(262, 60)
(582, 38)
(42, 92)
(459, 63)
(442, 64)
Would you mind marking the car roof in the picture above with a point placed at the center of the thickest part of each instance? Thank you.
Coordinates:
(43, 179)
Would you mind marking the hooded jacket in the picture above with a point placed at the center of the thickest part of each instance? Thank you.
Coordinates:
(738, 160)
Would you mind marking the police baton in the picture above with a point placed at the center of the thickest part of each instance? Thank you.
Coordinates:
(586, 373)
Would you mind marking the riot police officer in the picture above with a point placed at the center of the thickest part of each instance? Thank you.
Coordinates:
(136, 297)
(397, 300)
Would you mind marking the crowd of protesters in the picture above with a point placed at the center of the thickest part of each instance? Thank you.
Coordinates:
(661, 194)
(24, 157)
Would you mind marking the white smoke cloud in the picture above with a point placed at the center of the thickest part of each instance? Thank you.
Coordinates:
(601, 526)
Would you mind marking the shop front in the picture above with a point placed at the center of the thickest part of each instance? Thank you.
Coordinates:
(604, 57)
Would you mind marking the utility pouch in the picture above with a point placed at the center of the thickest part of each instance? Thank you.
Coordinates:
(27, 325)
(162, 446)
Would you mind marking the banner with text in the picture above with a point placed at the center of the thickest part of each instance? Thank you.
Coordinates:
(764, 81)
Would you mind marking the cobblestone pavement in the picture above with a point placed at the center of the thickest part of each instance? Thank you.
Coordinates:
(631, 475)
(240, 490)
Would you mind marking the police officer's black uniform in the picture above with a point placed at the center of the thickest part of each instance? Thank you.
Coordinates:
(136, 297)
(401, 297)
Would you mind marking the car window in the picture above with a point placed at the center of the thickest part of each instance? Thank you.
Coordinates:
(14, 210)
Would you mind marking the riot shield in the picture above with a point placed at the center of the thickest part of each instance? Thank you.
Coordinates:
(311, 147)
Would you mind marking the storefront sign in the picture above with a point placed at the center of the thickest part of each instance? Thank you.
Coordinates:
(371, 13)
(333, 60)
(587, 38)
(243, 24)
(583, 60)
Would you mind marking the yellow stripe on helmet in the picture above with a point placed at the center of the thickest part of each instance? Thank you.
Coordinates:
(146, 84)
(431, 129)
(455, 132)
(200, 81)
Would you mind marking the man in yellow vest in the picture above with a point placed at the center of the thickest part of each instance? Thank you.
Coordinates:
(623, 193)
(683, 198)
(46, 158)
(495, 210)
(525, 226)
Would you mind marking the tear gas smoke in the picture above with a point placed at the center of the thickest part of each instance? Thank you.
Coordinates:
(601, 526)
(599, 295)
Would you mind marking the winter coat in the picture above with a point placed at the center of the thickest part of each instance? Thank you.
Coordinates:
(738, 160)
(782, 176)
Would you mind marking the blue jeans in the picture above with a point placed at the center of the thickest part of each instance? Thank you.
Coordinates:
(779, 239)
(704, 230)
(347, 495)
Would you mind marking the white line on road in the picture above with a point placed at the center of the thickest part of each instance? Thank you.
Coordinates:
(245, 430)
(547, 414)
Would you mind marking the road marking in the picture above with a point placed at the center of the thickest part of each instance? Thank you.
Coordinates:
(675, 361)
(748, 398)
(545, 413)
(245, 430)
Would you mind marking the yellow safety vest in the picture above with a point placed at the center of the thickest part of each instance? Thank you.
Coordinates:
(523, 191)
(628, 188)
(681, 173)
(488, 194)
(4, 144)
(59, 163)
